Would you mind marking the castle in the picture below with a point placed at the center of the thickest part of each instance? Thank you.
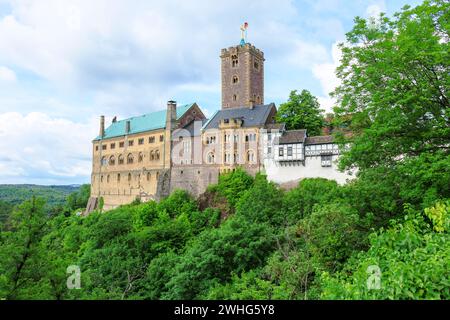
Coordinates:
(149, 156)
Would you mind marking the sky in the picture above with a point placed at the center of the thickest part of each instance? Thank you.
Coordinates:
(65, 63)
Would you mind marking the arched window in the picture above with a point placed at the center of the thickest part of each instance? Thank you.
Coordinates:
(129, 177)
(148, 176)
(210, 158)
(130, 159)
(235, 79)
(157, 154)
(152, 155)
(118, 177)
(107, 178)
(120, 159)
(258, 99)
(250, 156)
(234, 97)
(140, 157)
(234, 60)
(103, 161)
(112, 160)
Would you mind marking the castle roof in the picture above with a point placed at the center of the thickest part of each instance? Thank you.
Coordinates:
(147, 122)
(293, 136)
(319, 140)
(251, 117)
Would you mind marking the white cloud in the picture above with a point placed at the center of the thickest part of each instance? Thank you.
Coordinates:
(36, 147)
(325, 72)
(7, 75)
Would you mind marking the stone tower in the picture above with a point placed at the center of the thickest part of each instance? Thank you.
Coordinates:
(242, 76)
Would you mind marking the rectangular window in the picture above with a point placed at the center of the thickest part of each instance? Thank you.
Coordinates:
(104, 147)
(113, 145)
(151, 140)
(281, 152)
(269, 137)
(289, 151)
(269, 150)
(141, 141)
(96, 148)
(130, 143)
(161, 138)
(121, 144)
(326, 161)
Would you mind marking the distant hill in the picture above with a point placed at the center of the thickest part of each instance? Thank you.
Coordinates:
(17, 193)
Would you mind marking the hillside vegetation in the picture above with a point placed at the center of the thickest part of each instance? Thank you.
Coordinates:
(384, 235)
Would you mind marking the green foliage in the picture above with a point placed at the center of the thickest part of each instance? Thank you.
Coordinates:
(299, 202)
(247, 239)
(261, 203)
(79, 199)
(395, 79)
(439, 215)
(5, 210)
(236, 246)
(412, 259)
(302, 111)
(247, 286)
(19, 250)
(233, 185)
(17, 194)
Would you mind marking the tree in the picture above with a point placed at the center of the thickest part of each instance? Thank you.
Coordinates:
(19, 250)
(395, 77)
(302, 111)
(409, 260)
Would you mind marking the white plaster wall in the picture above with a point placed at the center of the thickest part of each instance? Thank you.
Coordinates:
(312, 169)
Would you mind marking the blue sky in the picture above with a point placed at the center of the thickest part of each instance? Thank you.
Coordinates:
(64, 63)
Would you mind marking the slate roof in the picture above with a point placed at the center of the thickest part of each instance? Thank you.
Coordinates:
(192, 128)
(147, 122)
(319, 140)
(293, 136)
(255, 117)
(275, 126)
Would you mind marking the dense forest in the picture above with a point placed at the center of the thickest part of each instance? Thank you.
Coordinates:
(18, 193)
(383, 235)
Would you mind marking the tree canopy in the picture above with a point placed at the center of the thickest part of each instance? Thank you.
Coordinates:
(302, 111)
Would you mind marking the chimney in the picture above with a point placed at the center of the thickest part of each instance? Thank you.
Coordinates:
(102, 126)
(128, 126)
(171, 116)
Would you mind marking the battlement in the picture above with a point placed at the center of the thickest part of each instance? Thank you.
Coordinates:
(248, 47)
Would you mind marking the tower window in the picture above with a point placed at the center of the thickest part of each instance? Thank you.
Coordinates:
(235, 79)
(234, 97)
(256, 65)
(234, 61)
